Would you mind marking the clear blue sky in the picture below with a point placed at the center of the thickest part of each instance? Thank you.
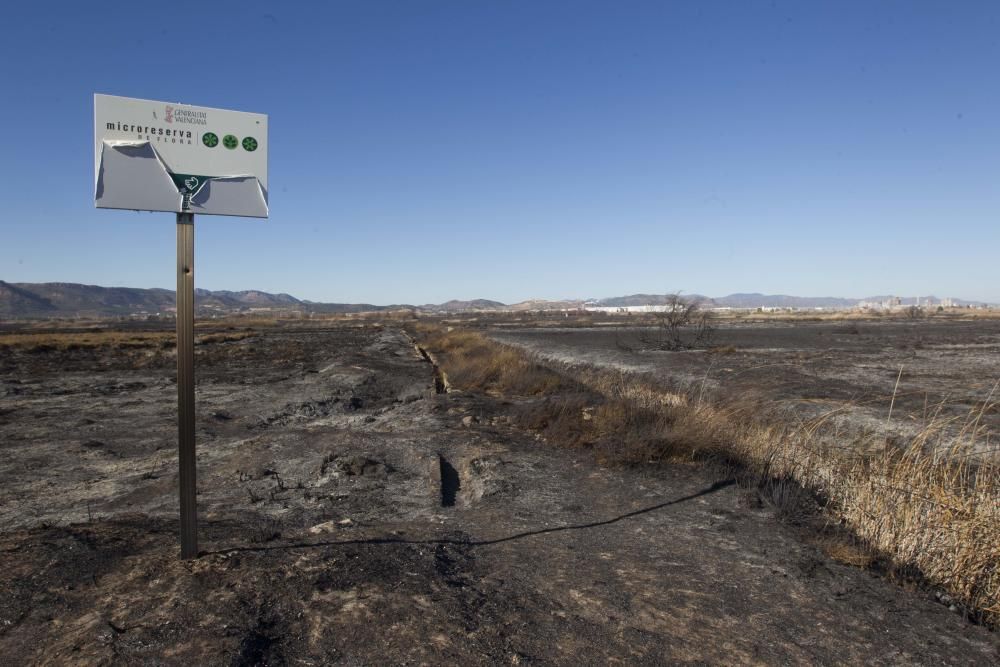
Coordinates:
(423, 151)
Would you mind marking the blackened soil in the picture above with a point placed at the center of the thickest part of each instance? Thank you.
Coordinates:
(847, 372)
(326, 540)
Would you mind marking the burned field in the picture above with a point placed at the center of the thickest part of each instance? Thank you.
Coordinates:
(354, 511)
(850, 372)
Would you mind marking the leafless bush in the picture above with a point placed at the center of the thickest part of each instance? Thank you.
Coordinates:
(681, 325)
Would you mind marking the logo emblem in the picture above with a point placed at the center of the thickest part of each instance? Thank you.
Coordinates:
(230, 142)
(189, 184)
(210, 139)
(250, 144)
(169, 115)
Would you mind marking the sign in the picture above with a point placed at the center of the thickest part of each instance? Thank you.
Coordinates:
(160, 156)
(163, 156)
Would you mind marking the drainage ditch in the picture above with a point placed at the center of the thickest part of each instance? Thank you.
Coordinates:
(441, 384)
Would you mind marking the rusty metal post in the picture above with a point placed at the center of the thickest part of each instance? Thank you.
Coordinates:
(185, 385)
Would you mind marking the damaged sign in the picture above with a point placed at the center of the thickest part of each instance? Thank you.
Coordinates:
(161, 156)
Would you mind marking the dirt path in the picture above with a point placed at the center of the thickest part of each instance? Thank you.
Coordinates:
(353, 516)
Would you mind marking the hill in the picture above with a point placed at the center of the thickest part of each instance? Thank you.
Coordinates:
(42, 300)
(46, 300)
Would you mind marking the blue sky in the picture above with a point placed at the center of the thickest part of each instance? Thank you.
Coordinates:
(423, 151)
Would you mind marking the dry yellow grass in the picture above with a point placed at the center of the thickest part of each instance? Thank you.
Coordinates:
(44, 342)
(932, 503)
(474, 362)
(846, 549)
(40, 342)
(223, 337)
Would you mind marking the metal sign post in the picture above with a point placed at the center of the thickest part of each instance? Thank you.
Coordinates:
(164, 156)
(185, 385)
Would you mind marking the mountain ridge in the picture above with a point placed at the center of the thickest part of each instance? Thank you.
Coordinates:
(61, 299)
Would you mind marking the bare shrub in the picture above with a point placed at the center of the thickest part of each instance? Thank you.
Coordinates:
(682, 324)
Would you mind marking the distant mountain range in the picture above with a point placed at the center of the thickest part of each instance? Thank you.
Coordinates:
(27, 300)
(50, 300)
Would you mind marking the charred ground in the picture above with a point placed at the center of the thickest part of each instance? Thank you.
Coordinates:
(351, 513)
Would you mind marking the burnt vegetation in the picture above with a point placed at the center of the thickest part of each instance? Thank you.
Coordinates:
(356, 479)
(680, 324)
(912, 508)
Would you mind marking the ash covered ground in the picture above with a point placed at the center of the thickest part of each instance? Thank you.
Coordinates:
(352, 515)
(846, 371)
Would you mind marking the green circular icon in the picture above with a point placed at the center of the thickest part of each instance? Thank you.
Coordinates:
(210, 139)
(230, 142)
(250, 144)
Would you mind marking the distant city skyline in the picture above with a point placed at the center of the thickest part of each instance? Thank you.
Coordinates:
(422, 152)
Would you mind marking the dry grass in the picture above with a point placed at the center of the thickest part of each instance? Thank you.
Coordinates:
(568, 414)
(930, 503)
(45, 342)
(223, 337)
(846, 549)
(117, 340)
(473, 362)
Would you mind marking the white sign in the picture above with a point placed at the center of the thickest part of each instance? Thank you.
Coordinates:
(163, 156)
